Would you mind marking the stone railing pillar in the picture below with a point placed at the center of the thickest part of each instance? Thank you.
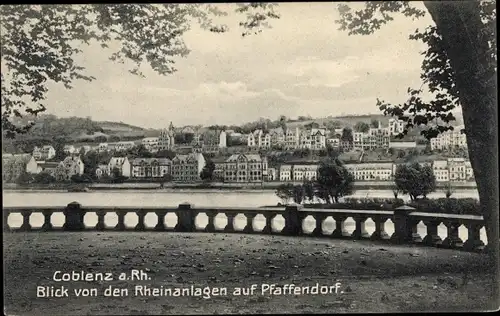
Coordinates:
(268, 228)
(210, 228)
(26, 226)
(318, 227)
(249, 226)
(230, 222)
(47, 225)
(432, 238)
(185, 218)
(379, 233)
(474, 242)
(403, 231)
(141, 214)
(121, 220)
(160, 225)
(74, 217)
(360, 230)
(340, 231)
(452, 240)
(293, 225)
(101, 225)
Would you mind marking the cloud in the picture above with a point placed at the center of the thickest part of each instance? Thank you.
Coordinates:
(302, 65)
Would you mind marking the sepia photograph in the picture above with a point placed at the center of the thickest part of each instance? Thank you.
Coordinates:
(250, 158)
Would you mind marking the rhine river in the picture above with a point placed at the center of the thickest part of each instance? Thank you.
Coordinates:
(198, 198)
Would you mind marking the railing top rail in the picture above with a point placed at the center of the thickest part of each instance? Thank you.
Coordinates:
(329, 210)
(33, 208)
(447, 216)
(232, 208)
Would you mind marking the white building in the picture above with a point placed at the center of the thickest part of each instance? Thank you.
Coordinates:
(35, 167)
(292, 138)
(396, 126)
(222, 139)
(69, 149)
(122, 146)
(450, 140)
(440, 169)
(314, 139)
(187, 168)
(245, 168)
(285, 173)
(469, 173)
(44, 153)
(305, 172)
(151, 143)
(457, 169)
(166, 141)
(334, 142)
(277, 137)
(122, 163)
(150, 167)
(70, 166)
(102, 147)
(259, 139)
(376, 171)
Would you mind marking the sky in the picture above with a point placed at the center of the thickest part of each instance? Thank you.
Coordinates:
(302, 65)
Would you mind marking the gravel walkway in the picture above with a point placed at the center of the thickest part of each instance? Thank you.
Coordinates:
(373, 277)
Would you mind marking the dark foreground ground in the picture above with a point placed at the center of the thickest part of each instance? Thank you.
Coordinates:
(374, 277)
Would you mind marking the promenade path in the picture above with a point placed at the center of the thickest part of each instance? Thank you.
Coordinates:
(374, 277)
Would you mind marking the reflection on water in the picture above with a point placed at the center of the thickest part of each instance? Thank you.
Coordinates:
(169, 198)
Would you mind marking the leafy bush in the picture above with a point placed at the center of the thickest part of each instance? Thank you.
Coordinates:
(467, 206)
(84, 178)
(44, 178)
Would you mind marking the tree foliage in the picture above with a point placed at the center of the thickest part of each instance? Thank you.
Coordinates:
(415, 180)
(285, 192)
(347, 135)
(40, 42)
(44, 178)
(207, 173)
(361, 127)
(438, 76)
(334, 180)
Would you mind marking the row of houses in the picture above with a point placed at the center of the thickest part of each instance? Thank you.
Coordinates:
(319, 138)
(450, 140)
(452, 169)
(187, 168)
(314, 138)
(182, 168)
(61, 171)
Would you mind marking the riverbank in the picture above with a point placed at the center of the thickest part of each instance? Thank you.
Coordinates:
(374, 277)
(359, 185)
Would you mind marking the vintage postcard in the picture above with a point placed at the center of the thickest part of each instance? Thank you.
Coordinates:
(249, 158)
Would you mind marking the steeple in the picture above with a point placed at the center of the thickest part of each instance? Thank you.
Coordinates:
(171, 127)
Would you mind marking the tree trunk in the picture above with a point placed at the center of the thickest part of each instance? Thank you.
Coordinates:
(460, 26)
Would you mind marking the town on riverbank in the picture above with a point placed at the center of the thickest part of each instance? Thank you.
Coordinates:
(267, 157)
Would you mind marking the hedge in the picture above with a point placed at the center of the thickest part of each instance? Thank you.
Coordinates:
(466, 206)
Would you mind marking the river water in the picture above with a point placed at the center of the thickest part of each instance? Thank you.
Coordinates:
(198, 198)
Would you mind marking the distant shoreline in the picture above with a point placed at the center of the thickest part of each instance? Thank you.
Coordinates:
(360, 185)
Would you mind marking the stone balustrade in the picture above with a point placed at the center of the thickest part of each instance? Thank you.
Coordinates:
(405, 220)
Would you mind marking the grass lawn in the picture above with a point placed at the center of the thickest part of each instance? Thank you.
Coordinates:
(374, 277)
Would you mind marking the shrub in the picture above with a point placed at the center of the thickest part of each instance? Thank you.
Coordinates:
(467, 206)
(44, 178)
